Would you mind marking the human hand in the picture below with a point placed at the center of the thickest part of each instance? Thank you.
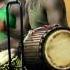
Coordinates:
(1, 26)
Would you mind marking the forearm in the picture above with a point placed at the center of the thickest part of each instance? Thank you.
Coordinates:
(56, 12)
(2, 26)
(56, 17)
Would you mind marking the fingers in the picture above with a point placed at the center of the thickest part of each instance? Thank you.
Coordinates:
(1, 26)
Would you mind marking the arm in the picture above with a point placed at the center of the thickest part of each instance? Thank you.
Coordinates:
(56, 12)
(26, 26)
(1, 26)
(15, 10)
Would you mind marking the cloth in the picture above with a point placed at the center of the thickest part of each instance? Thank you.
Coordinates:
(37, 16)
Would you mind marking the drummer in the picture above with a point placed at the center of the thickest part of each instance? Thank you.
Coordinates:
(43, 12)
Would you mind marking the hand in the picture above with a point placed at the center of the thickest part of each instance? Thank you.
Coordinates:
(1, 26)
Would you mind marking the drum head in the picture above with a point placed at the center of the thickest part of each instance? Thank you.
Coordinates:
(57, 49)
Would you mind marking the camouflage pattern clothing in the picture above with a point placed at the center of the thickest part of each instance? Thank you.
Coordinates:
(41, 12)
(37, 16)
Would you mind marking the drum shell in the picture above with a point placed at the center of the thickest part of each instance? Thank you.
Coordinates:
(32, 53)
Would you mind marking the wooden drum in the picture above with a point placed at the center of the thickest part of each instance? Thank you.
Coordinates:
(47, 47)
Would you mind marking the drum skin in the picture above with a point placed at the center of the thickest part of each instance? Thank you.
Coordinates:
(59, 38)
(34, 56)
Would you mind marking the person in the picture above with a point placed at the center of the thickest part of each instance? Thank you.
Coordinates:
(43, 12)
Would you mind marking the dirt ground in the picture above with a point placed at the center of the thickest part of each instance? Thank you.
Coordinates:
(67, 3)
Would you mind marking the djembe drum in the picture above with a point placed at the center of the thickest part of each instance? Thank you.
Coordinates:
(47, 47)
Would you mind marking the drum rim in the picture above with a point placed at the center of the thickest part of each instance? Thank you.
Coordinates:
(43, 48)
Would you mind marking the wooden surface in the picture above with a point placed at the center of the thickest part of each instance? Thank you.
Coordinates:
(67, 4)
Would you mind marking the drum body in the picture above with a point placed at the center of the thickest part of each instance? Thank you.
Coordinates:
(47, 48)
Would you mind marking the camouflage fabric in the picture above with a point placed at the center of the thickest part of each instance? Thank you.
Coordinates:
(42, 12)
(37, 16)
